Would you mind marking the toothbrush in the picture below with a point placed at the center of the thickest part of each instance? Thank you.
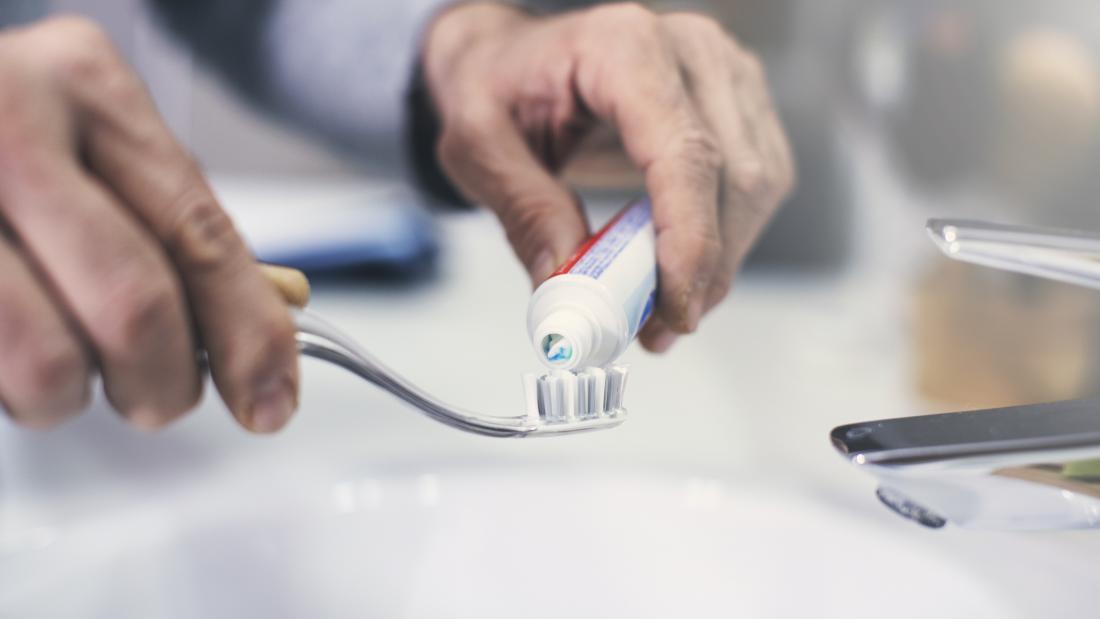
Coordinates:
(557, 403)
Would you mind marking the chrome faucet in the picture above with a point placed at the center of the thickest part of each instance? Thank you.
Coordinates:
(1020, 467)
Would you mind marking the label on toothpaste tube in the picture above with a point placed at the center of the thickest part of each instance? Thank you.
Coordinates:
(593, 258)
(633, 279)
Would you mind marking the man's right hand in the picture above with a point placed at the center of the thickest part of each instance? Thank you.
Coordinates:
(114, 253)
(517, 93)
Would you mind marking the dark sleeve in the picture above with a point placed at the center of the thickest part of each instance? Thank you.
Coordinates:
(225, 36)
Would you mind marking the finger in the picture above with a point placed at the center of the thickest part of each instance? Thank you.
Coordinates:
(760, 169)
(776, 174)
(767, 127)
(728, 87)
(637, 86)
(714, 87)
(44, 371)
(656, 337)
(243, 324)
(114, 282)
(485, 154)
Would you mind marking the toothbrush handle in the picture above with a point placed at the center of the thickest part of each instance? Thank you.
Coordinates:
(1061, 255)
(291, 283)
(320, 340)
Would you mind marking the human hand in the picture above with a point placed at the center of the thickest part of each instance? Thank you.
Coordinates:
(114, 253)
(516, 93)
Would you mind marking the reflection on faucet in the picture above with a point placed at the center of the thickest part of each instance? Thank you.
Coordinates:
(1066, 476)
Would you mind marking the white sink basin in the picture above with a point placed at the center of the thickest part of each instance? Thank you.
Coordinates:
(481, 543)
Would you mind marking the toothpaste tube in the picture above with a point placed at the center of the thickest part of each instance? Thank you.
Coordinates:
(593, 306)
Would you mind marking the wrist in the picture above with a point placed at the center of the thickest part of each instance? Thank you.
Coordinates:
(460, 32)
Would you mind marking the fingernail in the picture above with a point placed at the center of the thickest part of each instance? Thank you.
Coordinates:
(541, 268)
(695, 312)
(663, 342)
(145, 419)
(273, 406)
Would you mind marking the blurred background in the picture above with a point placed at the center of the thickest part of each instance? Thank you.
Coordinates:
(974, 108)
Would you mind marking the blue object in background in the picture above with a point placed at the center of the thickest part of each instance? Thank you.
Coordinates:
(356, 228)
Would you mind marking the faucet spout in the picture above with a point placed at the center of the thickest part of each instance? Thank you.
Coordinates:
(1020, 467)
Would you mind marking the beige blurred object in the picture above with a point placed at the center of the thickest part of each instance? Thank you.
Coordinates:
(1049, 88)
(600, 162)
(292, 284)
(986, 338)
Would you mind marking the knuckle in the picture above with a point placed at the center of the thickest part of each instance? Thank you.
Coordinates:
(118, 88)
(753, 63)
(788, 180)
(707, 244)
(719, 289)
(464, 135)
(753, 67)
(202, 237)
(267, 344)
(710, 241)
(699, 239)
(750, 178)
(676, 317)
(702, 25)
(54, 370)
(747, 65)
(76, 50)
(74, 27)
(138, 315)
(630, 18)
(468, 155)
(788, 168)
(625, 12)
(700, 150)
(449, 150)
(279, 330)
(522, 221)
(469, 124)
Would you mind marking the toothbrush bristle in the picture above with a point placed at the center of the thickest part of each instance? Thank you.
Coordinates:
(563, 396)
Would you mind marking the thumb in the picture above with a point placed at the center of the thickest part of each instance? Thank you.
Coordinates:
(486, 156)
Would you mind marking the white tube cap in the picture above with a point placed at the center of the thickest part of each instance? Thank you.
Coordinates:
(564, 339)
